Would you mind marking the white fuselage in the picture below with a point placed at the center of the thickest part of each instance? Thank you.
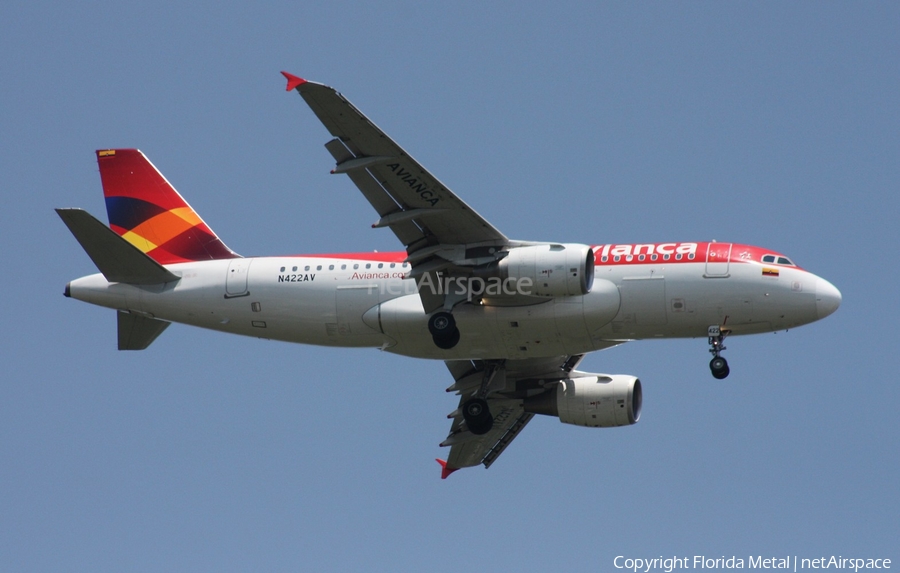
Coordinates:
(338, 301)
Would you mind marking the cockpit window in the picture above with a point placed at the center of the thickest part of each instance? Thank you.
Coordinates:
(778, 260)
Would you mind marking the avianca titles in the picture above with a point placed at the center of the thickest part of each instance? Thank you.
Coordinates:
(511, 319)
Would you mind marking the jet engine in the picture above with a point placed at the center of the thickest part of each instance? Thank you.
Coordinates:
(593, 400)
(552, 270)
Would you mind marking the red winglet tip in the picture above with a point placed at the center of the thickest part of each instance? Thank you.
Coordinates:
(445, 469)
(293, 81)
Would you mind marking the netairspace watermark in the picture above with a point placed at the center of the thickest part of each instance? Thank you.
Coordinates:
(467, 287)
(788, 562)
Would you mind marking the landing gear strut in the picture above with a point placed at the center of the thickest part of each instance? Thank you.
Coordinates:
(718, 365)
(442, 327)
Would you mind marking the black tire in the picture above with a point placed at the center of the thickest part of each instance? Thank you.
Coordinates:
(719, 368)
(478, 416)
(474, 408)
(441, 324)
(447, 341)
(722, 374)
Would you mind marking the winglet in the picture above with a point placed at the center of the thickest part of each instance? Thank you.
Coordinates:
(445, 469)
(293, 81)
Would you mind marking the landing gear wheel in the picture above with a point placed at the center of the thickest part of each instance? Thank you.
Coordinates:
(442, 327)
(719, 368)
(441, 324)
(477, 416)
(447, 341)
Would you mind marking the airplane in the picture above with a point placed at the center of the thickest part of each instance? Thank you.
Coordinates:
(511, 319)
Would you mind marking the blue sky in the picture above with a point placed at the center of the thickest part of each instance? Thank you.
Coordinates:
(773, 124)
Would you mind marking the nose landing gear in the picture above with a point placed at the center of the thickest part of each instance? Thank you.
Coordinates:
(718, 365)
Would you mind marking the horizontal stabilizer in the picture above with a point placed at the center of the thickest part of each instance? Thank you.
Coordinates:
(115, 257)
(137, 332)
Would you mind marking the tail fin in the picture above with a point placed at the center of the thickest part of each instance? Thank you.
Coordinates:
(149, 213)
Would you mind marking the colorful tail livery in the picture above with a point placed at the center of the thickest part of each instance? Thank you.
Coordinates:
(149, 213)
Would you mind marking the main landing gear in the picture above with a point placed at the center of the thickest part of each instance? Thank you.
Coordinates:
(477, 416)
(475, 410)
(718, 365)
(442, 327)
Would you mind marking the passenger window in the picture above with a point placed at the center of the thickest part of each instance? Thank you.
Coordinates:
(282, 270)
(306, 268)
(294, 270)
(380, 265)
(330, 267)
(368, 265)
(356, 266)
(319, 267)
(343, 267)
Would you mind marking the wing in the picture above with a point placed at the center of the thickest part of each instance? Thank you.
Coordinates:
(507, 383)
(437, 228)
(410, 200)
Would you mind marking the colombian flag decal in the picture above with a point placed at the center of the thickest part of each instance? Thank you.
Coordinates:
(769, 272)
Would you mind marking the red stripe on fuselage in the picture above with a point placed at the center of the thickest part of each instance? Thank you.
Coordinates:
(616, 254)
(670, 253)
(387, 257)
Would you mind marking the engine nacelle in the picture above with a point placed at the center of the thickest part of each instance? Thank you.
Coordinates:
(554, 270)
(595, 401)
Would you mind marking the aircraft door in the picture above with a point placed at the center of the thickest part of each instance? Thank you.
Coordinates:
(717, 255)
(236, 278)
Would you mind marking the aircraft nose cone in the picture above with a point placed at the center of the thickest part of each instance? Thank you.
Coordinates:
(828, 298)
